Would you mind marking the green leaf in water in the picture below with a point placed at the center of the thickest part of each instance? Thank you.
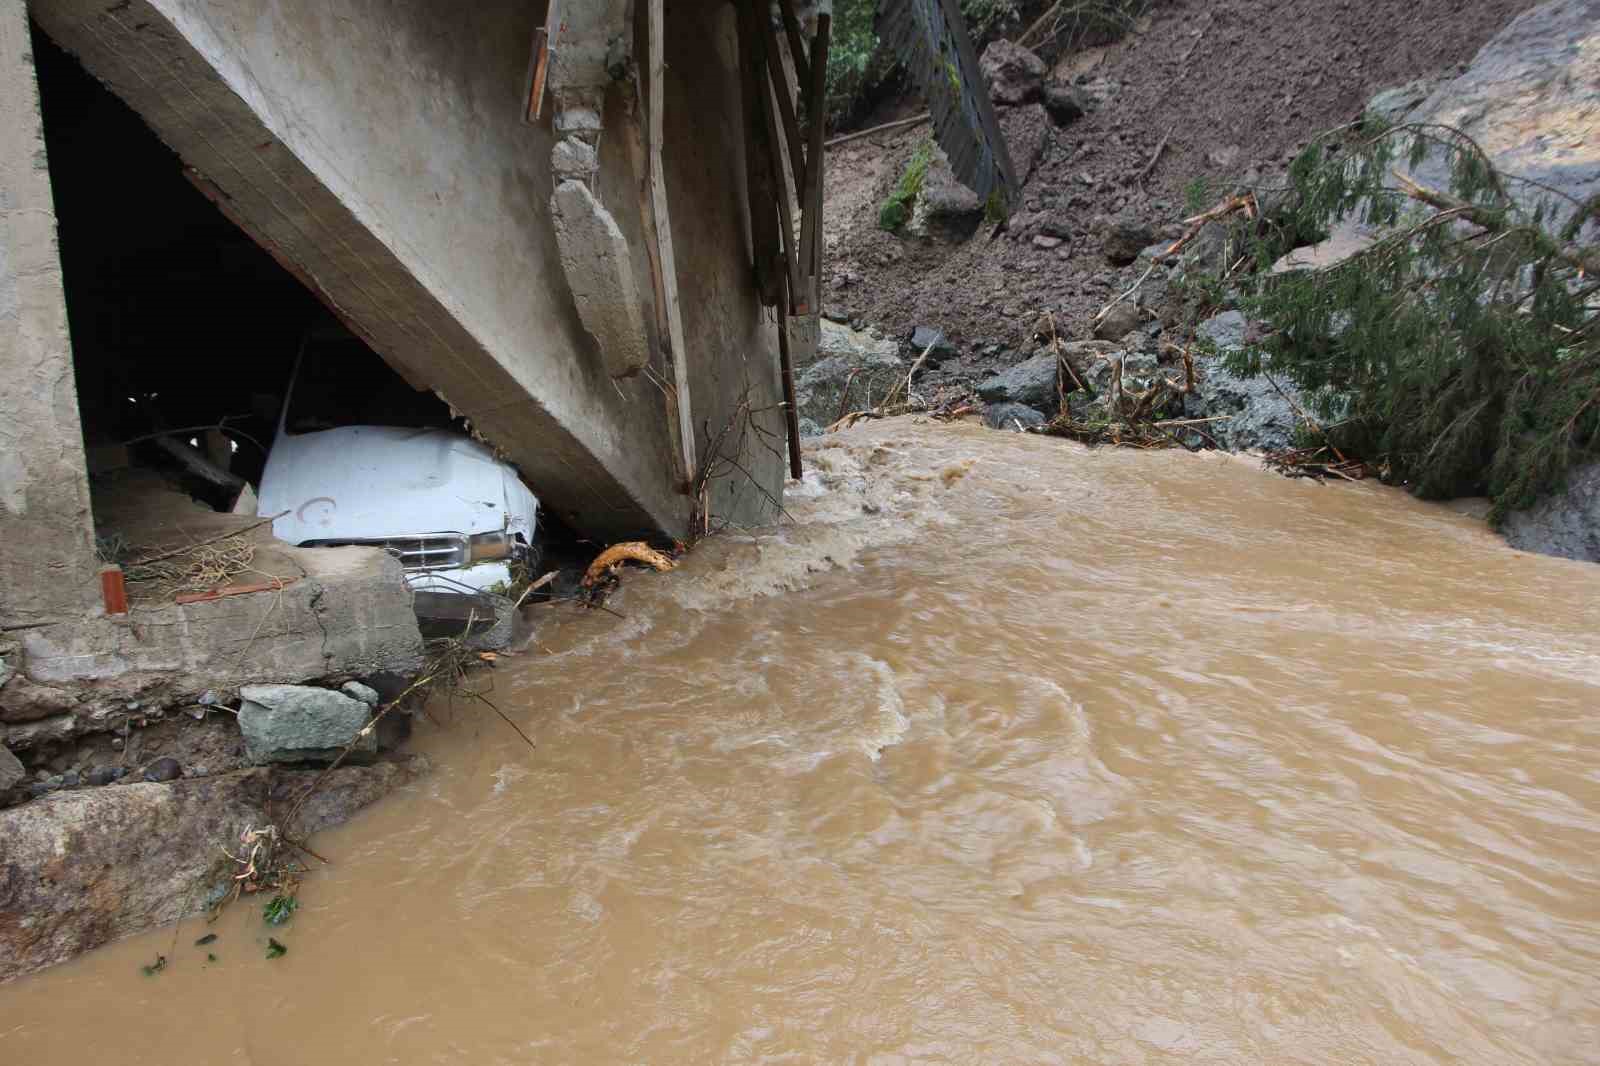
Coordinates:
(280, 909)
(209, 938)
(155, 967)
(275, 949)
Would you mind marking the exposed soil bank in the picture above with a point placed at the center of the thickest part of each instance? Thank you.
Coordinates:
(1234, 88)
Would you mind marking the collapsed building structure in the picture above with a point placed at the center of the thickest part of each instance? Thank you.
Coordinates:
(567, 225)
(585, 233)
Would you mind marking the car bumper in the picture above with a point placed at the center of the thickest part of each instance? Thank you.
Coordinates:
(464, 580)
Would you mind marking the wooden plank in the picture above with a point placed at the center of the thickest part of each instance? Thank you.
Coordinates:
(786, 110)
(811, 200)
(539, 64)
(797, 47)
(761, 185)
(234, 590)
(791, 408)
(785, 212)
(655, 97)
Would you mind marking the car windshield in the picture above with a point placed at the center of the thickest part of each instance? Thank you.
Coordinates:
(342, 382)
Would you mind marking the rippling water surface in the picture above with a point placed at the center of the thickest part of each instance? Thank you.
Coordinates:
(1004, 751)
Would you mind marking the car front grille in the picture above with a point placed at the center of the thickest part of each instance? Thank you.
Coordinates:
(418, 554)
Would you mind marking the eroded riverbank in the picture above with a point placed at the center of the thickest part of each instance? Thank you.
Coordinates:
(1044, 755)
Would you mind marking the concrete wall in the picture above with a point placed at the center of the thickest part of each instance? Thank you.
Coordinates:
(376, 146)
(47, 564)
(348, 613)
(732, 341)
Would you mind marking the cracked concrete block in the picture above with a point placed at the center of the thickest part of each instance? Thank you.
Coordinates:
(594, 256)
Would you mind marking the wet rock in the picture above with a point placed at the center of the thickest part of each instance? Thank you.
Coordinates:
(357, 691)
(12, 772)
(167, 769)
(95, 865)
(1055, 226)
(54, 781)
(299, 723)
(1064, 103)
(1119, 322)
(925, 337)
(100, 775)
(1567, 523)
(855, 370)
(1013, 73)
(945, 209)
(1031, 382)
(1011, 415)
(70, 779)
(1263, 418)
(1125, 240)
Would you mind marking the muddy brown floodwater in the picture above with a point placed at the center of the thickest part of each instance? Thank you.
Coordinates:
(1005, 752)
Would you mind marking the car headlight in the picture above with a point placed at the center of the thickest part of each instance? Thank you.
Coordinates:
(486, 546)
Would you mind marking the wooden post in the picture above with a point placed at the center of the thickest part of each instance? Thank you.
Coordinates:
(655, 96)
(811, 199)
(790, 408)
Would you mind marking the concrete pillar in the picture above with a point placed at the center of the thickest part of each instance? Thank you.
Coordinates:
(47, 563)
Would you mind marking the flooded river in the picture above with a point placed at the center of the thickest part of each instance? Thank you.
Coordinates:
(1004, 752)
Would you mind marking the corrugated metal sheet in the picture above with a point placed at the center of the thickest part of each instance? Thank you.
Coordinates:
(930, 38)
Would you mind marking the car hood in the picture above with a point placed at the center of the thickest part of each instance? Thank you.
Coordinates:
(367, 482)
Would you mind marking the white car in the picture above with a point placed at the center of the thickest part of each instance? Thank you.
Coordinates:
(361, 458)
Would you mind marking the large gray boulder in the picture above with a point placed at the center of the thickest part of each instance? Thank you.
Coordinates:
(945, 208)
(1566, 524)
(1262, 417)
(855, 372)
(1012, 416)
(299, 723)
(1528, 99)
(1031, 382)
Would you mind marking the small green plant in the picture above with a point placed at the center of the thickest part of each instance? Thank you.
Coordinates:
(994, 208)
(895, 211)
(275, 950)
(279, 909)
(1197, 195)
